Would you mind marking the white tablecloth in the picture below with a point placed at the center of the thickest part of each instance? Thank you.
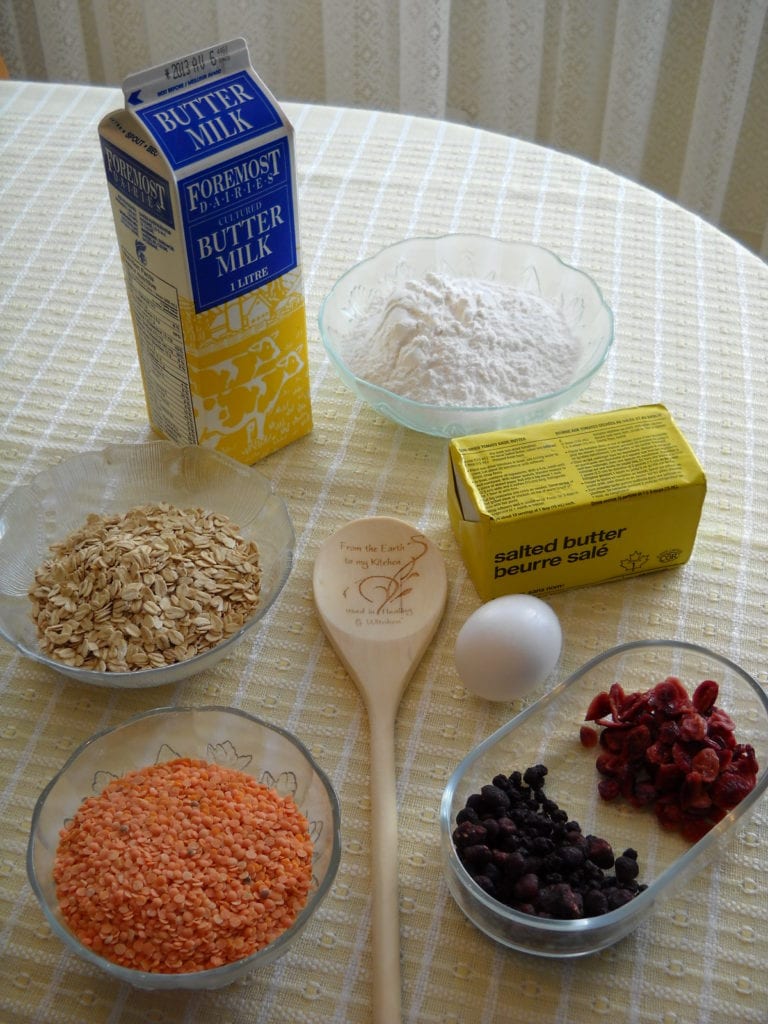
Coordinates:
(691, 309)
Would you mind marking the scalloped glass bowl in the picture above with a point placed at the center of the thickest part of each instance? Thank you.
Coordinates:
(224, 735)
(521, 265)
(57, 501)
(547, 733)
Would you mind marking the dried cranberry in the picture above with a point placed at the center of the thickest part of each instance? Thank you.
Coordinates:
(669, 732)
(730, 788)
(658, 753)
(707, 764)
(616, 698)
(682, 757)
(668, 778)
(724, 756)
(610, 764)
(668, 698)
(588, 736)
(636, 742)
(694, 796)
(745, 760)
(705, 696)
(660, 746)
(721, 724)
(693, 727)
(694, 829)
(600, 707)
(612, 739)
(670, 814)
(609, 789)
(643, 793)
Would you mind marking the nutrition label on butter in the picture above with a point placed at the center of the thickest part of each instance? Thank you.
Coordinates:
(616, 460)
(522, 478)
(157, 323)
(553, 467)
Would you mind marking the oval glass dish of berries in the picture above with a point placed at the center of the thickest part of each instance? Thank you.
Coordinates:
(628, 859)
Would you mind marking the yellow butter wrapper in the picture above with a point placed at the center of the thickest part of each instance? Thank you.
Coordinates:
(201, 173)
(574, 502)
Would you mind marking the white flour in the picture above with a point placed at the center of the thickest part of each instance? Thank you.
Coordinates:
(463, 342)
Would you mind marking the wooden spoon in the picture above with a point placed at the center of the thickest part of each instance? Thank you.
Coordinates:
(380, 588)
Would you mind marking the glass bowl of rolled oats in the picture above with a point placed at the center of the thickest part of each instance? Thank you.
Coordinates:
(141, 564)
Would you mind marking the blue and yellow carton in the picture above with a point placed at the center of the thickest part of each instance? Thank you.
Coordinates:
(200, 168)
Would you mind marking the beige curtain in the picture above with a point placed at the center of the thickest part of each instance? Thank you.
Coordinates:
(671, 93)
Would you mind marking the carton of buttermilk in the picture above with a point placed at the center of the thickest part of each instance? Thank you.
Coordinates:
(574, 502)
(200, 168)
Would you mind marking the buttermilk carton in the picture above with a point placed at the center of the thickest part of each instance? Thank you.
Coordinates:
(573, 502)
(201, 174)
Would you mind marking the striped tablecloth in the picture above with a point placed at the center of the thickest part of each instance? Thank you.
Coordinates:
(691, 309)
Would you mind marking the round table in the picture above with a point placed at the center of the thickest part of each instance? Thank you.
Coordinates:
(690, 311)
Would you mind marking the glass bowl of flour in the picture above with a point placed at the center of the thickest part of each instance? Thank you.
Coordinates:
(464, 334)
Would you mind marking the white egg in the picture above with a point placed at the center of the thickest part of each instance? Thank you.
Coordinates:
(508, 646)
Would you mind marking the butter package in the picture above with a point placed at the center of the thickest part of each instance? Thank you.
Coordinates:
(201, 174)
(574, 502)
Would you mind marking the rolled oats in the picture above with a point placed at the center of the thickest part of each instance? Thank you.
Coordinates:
(150, 587)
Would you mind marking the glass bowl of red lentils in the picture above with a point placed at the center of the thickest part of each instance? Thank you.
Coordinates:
(185, 848)
(140, 564)
(575, 822)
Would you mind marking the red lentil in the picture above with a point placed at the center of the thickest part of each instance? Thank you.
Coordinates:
(183, 866)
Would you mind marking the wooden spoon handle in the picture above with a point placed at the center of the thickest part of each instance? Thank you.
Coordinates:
(385, 918)
(380, 588)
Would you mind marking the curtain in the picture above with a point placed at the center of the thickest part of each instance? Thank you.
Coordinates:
(671, 93)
